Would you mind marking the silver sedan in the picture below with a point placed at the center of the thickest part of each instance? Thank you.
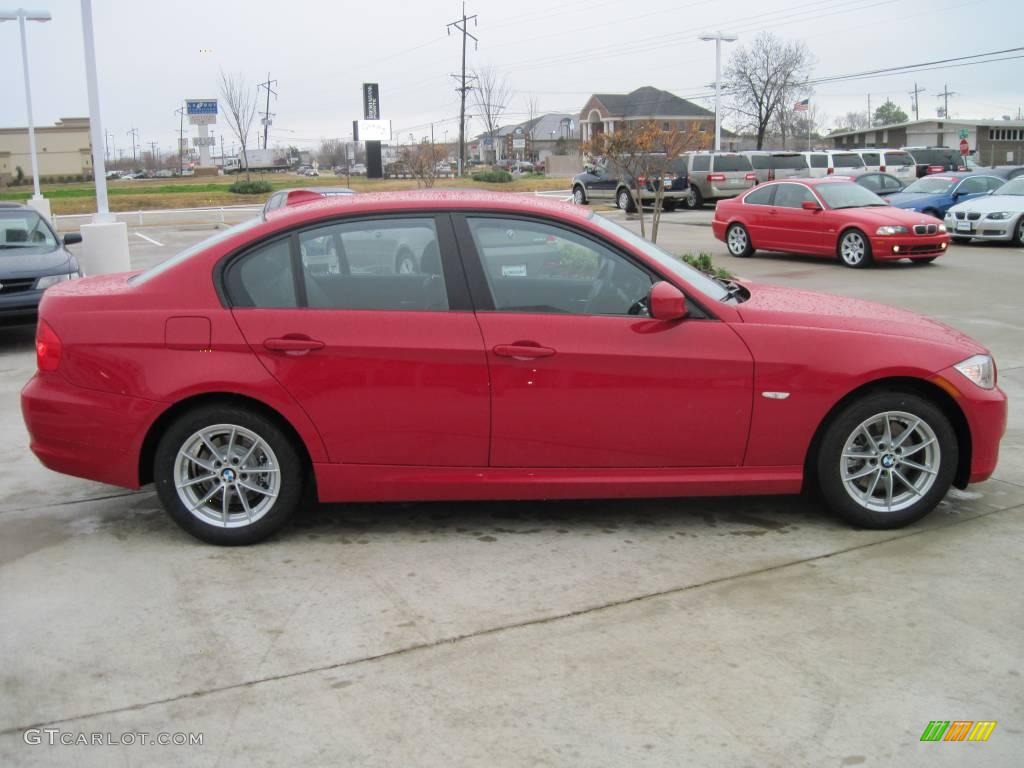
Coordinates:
(998, 215)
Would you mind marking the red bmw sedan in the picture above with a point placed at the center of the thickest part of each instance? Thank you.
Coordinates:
(830, 217)
(537, 352)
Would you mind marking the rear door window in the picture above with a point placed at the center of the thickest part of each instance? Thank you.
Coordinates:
(760, 162)
(898, 158)
(732, 163)
(847, 160)
(871, 158)
(819, 161)
(788, 162)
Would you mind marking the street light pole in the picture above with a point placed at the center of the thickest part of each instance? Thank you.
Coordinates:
(719, 37)
(22, 15)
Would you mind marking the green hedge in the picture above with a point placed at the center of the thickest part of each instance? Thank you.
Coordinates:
(702, 261)
(250, 187)
(493, 177)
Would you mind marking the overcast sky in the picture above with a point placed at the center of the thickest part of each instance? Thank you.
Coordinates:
(153, 54)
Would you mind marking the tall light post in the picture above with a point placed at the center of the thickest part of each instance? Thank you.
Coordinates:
(21, 16)
(719, 38)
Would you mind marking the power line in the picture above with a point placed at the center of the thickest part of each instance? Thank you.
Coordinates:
(461, 26)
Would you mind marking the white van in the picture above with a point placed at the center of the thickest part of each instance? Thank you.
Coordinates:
(822, 163)
(895, 162)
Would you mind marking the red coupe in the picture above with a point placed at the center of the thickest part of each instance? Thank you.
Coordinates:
(538, 352)
(829, 217)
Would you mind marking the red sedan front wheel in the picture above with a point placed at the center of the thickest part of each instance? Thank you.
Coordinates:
(855, 249)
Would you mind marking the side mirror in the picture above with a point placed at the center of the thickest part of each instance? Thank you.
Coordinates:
(666, 302)
(810, 205)
(72, 237)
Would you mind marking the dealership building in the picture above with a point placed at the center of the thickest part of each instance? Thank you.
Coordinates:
(991, 142)
(63, 149)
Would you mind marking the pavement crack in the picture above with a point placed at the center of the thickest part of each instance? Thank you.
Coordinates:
(69, 502)
(416, 647)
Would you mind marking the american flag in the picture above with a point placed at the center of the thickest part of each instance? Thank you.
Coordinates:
(801, 106)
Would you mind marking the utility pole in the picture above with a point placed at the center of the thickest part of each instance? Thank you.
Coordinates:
(134, 133)
(106, 145)
(871, 120)
(180, 112)
(266, 114)
(946, 93)
(917, 112)
(461, 26)
(153, 155)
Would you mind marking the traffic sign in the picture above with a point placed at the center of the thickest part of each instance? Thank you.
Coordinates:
(964, 149)
(964, 133)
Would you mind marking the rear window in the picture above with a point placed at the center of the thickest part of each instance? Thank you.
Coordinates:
(760, 162)
(789, 162)
(934, 156)
(898, 158)
(732, 163)
(848, 160)
(871, 158)
(819, 161)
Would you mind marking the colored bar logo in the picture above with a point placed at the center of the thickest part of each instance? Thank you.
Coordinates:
(958, 730)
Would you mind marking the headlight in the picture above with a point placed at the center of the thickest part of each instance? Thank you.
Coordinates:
(999, 215)
(942, 227)
(891, 230)
(46, 282)
(980, 369)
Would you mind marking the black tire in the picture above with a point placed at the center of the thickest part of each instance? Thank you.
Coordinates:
(846, 250)
(1018, 238)
(668, 205)
(624, 200)
(829, 464)
(579, 195)
(405, 263)
(961, 240)
(694, 200)
(925, 260)
(289, 464)
(737, 241)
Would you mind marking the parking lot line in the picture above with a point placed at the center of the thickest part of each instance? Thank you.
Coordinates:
(149, 239)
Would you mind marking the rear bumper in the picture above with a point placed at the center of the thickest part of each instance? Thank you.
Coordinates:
(985, 411)
(84, 432)
(885, 247)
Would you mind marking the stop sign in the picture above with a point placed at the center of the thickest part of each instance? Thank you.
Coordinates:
(964, 150)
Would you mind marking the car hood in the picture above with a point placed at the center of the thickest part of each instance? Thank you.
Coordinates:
(882, 215)
(33, 262)
(775, 305)
(910, 199)
(990, 203)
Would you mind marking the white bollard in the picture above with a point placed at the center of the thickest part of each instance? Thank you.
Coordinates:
(104, 248)
(41, 205)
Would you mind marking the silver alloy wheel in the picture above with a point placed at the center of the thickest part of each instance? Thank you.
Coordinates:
(624, 200)
(1020, 231)
(227, 476)
(406, 265)
(691, 197)
(737, 240)
(853, 248)
(577, 195)
(890, 461)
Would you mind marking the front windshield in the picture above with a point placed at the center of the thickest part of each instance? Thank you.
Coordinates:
(191, 251)
(693, 277)
(931, 185)
(24, 228)
(1015, 187)
(846, 194)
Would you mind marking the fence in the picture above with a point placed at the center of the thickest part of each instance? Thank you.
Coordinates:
(226, 214)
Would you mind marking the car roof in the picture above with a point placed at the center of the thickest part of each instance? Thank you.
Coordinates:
(428, 200)
(5, 204)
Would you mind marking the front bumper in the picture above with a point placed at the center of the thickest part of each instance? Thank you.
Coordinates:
(985, 411)
(886, 247)
(84, 432)
(982, 229)
(19, 305)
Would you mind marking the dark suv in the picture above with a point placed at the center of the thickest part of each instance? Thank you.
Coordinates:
(613, 183)
(936, 160)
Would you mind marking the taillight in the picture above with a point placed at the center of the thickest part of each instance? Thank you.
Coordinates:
(935, 169)
(641, 180)
(830, 171)
(771, 174)
(751, 177)
(48, 347)
(881, 169)
(716, 177)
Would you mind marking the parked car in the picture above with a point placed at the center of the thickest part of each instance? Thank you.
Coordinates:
(832, 217)
(163, 174)
(656, 379)
(1008, 172)
(772, 165)
(929, 160)
(998, 216)
(286, 197)
(882, 184)
(32, 258)
(612, 182)
(935, 194)
(895, 162)
(311, 172)
(717, 176)
(359, 169)
(822, 163)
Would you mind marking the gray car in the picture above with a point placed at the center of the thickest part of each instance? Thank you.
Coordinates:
(32, 258)
(717, 176)
(613, 183)
(773, 165)
(996, 216)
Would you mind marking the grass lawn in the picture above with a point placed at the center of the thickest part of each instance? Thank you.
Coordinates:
(189, 192)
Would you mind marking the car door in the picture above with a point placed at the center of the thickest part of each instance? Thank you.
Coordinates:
(796, 229)
(580, 375)
(390, 366)
(758, 216)
(602, 183)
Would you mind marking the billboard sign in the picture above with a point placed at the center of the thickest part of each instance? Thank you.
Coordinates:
(203, 141)
(374, 130)
(201, 111)
(371, 101)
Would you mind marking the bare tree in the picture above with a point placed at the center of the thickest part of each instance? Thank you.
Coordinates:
(765, 78)
(798, 127)
(422, 160)
(240, 101)
(331, 153)
(854, 121)
(491, 95)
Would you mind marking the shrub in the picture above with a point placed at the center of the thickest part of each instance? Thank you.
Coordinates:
(493, 177)
(241, 187)
(702, 261)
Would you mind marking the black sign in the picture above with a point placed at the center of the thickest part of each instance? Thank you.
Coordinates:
(371, 101)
